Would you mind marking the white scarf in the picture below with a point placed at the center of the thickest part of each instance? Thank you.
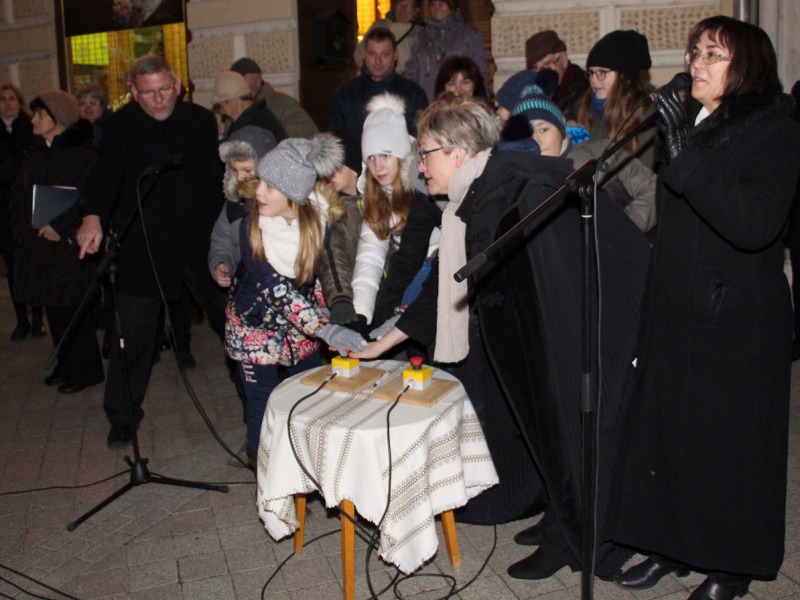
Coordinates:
(281, 238)
(452, 320)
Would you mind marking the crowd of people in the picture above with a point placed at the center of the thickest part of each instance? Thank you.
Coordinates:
(292, 241)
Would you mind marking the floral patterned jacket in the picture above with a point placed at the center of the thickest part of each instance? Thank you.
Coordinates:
(269, 318)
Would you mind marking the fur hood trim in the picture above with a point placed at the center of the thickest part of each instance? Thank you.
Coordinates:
(236, 150)
(230, 186)
(326, 155)
(735, 115)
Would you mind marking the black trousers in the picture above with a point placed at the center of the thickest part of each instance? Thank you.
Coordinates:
(139, 320)
(79, 361)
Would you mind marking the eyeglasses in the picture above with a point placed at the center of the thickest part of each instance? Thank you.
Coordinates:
(599, 73)
(708, 58)
(547, 64)
(164, 90)
(423, 154)
(89, 102)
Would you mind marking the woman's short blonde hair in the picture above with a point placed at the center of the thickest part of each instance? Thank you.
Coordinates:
(455, 120)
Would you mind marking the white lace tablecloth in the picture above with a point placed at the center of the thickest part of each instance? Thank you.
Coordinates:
(439, 461)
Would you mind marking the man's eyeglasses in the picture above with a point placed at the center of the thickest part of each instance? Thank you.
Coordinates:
(164, 90)
(708, 58)
(599, 73)
(547, 64)
(423, 154)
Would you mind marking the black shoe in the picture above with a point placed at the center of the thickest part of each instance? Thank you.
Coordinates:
(543, 563)
(70, 388)
(712, 590)
(119, 435)
(38, 329)
(21, 331)
(186, 359)
(53, 379)
(532, 536)
(795, 350)
(648, 573)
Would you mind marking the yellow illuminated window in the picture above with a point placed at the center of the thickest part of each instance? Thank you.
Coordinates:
(368, 11)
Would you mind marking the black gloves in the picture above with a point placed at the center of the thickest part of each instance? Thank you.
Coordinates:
(343, 312)
(673, 120)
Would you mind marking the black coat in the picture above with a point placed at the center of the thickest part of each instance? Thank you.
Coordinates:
(705, 481)
(12, 152)
(182, 203)
(349, 103)
(526, 307)
(49, 273)
(424, 216)
(529, 308)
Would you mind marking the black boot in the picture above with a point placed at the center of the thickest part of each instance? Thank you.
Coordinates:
(543, 563)
(712, 589)
(648, 573)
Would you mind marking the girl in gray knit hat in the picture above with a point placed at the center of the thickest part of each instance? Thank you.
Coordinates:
(275, 310)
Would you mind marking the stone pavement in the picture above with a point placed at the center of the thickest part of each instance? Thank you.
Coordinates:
(166, 542)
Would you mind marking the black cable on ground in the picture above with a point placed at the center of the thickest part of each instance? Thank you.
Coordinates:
(36, 581)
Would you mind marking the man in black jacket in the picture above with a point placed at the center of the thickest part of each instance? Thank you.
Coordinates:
(349, 104)
(179, 204)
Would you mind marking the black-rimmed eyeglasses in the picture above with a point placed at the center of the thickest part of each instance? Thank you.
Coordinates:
(423, 154)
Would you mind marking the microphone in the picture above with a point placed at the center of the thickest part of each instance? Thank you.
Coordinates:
(681, 82)
(174, 161)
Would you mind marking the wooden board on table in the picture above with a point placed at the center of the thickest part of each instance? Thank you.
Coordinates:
(438, 389)
(366, 376)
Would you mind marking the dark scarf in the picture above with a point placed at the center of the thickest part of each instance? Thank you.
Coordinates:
(437, 33)
(736, 114)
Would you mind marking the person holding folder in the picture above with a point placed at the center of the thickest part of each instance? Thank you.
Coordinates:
(48, 272)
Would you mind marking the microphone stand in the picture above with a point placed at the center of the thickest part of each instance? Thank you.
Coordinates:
(139, 473)
(582, 181)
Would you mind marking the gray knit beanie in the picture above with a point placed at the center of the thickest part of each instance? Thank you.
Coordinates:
(296, 163)
(60, 106)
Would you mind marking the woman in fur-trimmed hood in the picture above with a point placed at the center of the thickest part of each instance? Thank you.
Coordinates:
(705, 481)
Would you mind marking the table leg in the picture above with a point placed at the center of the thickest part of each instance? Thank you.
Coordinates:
(348, 549)
(450, 537)
(300, 511)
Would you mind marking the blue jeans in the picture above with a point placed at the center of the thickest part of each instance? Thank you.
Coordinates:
(259, 381)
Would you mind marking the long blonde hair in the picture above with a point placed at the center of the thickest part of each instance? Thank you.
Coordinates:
(378, 207)
(309, 254)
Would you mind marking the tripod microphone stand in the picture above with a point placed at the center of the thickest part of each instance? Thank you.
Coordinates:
(139, 473)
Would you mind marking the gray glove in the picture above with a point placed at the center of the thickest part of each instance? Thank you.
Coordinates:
(343, 339)
(385, 328)
(343, 312)
(673, 120)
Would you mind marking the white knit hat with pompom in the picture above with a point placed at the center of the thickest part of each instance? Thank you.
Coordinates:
(385, 128)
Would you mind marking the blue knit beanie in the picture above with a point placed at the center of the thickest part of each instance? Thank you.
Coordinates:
(535, 105)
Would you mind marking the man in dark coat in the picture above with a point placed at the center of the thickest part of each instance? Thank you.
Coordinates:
(179, 206)
(378, 76)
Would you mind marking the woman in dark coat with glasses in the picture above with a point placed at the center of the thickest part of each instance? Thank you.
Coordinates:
(705, 483)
